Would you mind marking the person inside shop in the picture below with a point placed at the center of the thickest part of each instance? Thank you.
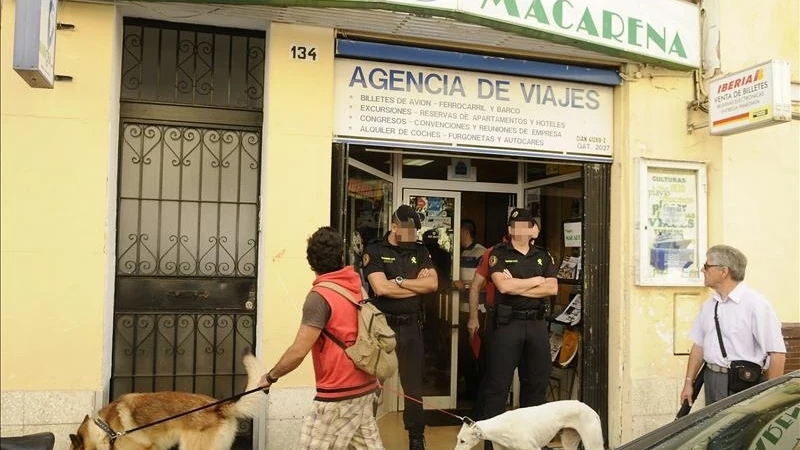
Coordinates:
(471, 252)
(524, 276)
(342, 410)
(743, 319)
(480, 281)
(441, 258)
(400, 271)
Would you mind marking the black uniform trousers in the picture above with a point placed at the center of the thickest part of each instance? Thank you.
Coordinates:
(410, 361)
(522, 344)
(486, 330)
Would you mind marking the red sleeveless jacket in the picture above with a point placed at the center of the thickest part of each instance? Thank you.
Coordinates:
(337, 376)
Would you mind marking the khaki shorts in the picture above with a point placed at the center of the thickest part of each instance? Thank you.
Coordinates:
(341, 425)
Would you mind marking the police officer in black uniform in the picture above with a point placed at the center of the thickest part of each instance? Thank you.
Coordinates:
(524, 276)
(399, 270)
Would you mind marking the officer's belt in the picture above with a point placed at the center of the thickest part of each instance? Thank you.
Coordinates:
(401, 319)
(529, 304)
(528, 314)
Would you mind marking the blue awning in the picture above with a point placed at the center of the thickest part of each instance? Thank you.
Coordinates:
(477, 63)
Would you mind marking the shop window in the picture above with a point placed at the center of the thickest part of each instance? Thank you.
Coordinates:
(377, 159)
(369, 200)
(425, 166)
(436, 168)
(539, 171)
(493, 171)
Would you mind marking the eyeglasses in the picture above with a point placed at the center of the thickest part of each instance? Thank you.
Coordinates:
(706, 266)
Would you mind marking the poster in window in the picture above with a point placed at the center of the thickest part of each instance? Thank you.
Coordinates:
(672, 223)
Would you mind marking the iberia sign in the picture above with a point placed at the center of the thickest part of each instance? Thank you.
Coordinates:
(753, 98)
(658, 31)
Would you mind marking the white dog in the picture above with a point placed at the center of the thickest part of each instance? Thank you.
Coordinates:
(534, 427)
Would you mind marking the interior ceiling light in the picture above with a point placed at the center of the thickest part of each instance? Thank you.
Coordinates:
(416, 161)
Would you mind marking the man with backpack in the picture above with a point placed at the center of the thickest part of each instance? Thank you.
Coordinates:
(399, 270)
(341, 416)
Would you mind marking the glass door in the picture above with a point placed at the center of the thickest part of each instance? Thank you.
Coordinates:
(440, 216)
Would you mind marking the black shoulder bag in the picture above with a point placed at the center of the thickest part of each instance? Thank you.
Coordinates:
(741, 374)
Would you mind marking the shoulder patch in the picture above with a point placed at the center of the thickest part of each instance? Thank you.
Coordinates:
(365, 260)
(492, 261)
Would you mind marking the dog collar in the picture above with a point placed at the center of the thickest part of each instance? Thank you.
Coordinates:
(112, 435)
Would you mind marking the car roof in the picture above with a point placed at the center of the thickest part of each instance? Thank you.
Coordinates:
(671, 429)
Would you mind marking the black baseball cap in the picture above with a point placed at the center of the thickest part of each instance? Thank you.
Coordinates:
(521, 215)
(405, 213)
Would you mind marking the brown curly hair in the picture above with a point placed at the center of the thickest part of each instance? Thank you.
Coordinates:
(325, 251)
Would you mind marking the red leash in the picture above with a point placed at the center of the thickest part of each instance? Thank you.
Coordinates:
(400, 394)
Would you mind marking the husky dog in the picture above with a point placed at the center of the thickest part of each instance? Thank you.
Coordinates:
(534, 427)
(212, 428)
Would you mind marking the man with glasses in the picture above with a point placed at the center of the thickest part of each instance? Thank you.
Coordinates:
(399, 270)
(749, 327)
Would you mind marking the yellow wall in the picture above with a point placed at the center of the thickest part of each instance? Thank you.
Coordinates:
(55, 150)
(296, 182)
(753, 204)
(761, 186)
(651, 122)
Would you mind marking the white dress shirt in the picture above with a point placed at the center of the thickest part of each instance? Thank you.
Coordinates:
(750, 328)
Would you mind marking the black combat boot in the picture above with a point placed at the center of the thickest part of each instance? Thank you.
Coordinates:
(416, 439)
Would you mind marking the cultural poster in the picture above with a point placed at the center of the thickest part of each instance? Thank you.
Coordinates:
(671, 226)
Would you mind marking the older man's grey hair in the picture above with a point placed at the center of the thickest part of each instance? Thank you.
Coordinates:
(727, 256)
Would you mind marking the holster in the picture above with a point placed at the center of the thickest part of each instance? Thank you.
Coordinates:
(400, 320)
(502, 315)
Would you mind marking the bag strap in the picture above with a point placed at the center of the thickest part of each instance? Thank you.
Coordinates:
(719, 333)
(334, 339)
(344, 293)
(339, 290)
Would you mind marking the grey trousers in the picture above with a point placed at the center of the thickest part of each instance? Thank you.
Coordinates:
(715, 385)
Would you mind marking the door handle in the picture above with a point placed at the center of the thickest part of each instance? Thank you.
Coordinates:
(189, 294)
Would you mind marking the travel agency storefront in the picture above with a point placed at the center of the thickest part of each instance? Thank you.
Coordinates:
(234, 130)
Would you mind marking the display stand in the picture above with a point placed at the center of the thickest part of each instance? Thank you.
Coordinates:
(565, 321)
